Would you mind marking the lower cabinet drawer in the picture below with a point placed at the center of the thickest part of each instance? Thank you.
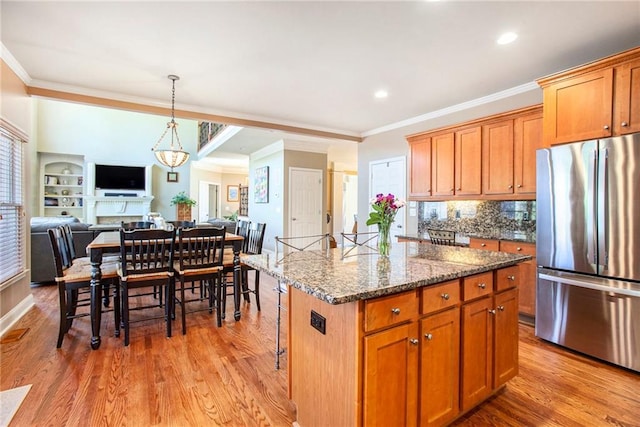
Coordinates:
(477, 286)
(386, 311)
(438, 297)
(507, 278)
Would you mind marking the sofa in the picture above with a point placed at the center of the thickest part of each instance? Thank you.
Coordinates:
(42, 264)
(230, 226)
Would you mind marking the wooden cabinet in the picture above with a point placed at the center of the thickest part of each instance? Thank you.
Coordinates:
(420, 167)
(505, 335)
(487, 244)
(497, 158)
(390, 377)
(627, 97)
(489, 336)
(528, 275)
(62, 185)
(440, 367)
(489, 158)
(477, 353)
(467, 161)
(527, 138)
(442, 164)
(581, 103)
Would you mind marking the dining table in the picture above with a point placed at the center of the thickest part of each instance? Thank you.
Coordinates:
(109, 242)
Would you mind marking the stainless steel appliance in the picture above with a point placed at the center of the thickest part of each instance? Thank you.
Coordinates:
(588, 248)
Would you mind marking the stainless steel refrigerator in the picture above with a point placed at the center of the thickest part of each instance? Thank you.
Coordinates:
(588, 248)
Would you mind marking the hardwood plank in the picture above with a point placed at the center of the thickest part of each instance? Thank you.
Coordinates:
(225, 376)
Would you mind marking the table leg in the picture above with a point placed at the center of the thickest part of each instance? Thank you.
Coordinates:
(237, 279)
(96, 297)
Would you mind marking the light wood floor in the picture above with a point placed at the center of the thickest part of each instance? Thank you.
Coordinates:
(226, 376)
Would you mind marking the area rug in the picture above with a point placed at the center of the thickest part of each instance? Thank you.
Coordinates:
(10, 401)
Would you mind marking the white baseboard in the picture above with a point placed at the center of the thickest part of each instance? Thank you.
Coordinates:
(8, 320)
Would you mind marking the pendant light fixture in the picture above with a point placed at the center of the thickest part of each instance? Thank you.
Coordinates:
(175, 156)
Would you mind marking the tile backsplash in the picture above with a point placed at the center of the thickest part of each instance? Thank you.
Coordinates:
(486, 217)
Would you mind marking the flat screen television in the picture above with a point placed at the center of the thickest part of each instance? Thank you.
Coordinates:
(110, 177)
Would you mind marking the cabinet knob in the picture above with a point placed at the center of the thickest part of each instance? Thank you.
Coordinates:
(511, 277)
(482, 285)
(624, 124)
(395, 310)
(492, 311)
(519, 185)
(445, 297)
(414, 341)
(428, 336)
(483, 244)
(606, 127)
(458, 189)
(518, 249)
(501, 307)
(510, 187)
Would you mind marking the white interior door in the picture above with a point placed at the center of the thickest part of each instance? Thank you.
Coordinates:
(305, 202)
(208, 200)
(389, 176)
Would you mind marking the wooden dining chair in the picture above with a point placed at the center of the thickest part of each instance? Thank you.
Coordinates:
(442, 237)
(199, 259)
(147, 262)
(74, 284)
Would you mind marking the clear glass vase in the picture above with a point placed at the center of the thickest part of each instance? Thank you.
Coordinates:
(384, 238)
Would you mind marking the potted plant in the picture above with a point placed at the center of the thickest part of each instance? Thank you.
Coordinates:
(183, 203)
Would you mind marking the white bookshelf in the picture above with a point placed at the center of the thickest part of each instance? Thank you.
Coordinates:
(62, 185)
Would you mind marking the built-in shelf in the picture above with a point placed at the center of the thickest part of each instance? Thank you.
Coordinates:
(62, 185)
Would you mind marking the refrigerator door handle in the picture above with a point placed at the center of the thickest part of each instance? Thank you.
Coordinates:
(603, 211)
(592, 196)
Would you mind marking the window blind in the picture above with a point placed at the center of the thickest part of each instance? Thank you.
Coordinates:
(12, 250)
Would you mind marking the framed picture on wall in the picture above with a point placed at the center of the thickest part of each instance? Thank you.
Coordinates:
(261, 185)
(172, 176)
(232, 193)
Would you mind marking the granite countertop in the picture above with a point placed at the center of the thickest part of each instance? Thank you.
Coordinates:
(338, 279)
(462, 239)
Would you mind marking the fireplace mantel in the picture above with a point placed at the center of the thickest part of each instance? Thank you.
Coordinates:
(116, 208)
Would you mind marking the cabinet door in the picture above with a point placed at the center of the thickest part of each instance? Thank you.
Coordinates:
(497, 158)
(627, 111)
(528, 275)
(391, 377)
(579, 108)
(527, 138)
(440, 367)
(468, 163)
(477, 353)
(420, 184)
(505, 337)
(442, 151)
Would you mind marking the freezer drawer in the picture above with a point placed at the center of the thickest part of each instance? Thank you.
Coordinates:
(589, 315)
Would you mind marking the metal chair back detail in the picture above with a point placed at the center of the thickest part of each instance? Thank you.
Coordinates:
(442, 237)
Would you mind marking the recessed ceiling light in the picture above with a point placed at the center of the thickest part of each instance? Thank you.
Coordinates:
(381, 94)
(507, 38)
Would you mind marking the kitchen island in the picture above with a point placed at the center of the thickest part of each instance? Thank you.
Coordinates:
(417, 338)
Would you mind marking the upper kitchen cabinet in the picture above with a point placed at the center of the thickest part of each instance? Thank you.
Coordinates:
(527, 138)
(468, 165)
(596, 100)
(420, 166)
(488, 158)
(442, 166)
(627, 96)
(497, 158)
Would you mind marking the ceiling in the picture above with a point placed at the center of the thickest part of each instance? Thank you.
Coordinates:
(308, 64)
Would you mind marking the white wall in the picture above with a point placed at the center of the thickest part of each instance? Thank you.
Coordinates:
(115, 136)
